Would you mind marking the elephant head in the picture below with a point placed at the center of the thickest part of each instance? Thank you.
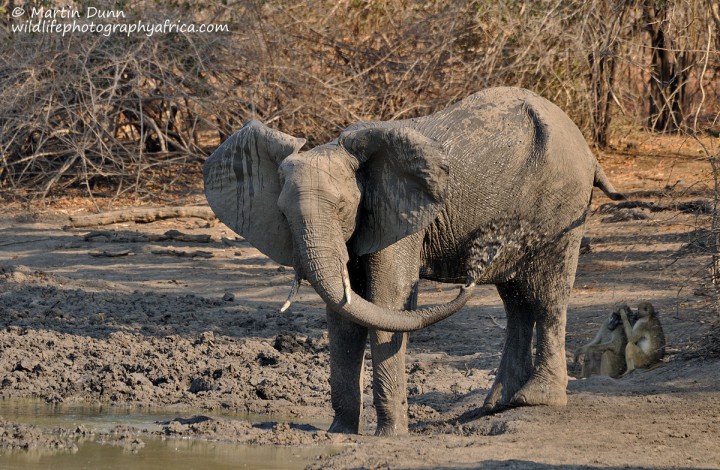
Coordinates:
(367, 190)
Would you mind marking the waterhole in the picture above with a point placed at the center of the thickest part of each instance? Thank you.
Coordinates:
(95, 452)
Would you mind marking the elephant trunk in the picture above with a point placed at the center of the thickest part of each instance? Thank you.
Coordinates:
(324, 266)
(370, 315)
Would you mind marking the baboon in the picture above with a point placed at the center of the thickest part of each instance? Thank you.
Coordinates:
(605, 354)
(646, 340)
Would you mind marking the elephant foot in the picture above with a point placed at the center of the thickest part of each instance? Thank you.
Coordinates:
(491, 408)
(539, 391)
(392, 421)
(391, 429)
(500, 394)
(344, 426)
(494, 400)
(477, 413)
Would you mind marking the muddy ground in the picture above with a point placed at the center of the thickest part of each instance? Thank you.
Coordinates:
(203, 332)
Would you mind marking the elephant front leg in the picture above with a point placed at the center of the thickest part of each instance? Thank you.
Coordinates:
(392, 276)
(389, 382)
(347, 362)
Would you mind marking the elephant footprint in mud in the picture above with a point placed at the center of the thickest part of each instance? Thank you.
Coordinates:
(494, 190)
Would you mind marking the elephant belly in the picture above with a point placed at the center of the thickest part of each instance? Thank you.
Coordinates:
(456, 269)
(489, 254)
(441, 270)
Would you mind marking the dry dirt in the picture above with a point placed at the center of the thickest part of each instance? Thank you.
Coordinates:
(204, 332)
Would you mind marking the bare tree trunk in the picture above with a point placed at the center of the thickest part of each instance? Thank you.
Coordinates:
(715, 12)
(601, 79)
(602, 71)
(668, 73)
(715, 267)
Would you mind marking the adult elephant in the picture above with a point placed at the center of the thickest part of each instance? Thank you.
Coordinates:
(494, 189)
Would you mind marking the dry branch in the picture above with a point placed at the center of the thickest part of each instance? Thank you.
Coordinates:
(109, 253)
(20, 242)
(496, 323)
(183, 254)
(111, 113)
(186, 237)
(132, 237)
(232, 243)
(141, 215)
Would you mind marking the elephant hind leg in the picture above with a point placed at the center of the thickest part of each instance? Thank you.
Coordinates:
(516, 362)
(548, 381)
(548, 281)
(537, 300)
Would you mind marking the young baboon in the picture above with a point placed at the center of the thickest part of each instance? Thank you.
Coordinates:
(646, 340)
(605, 354)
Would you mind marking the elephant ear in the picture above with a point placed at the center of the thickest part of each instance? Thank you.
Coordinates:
(404, 177)
(242, 186)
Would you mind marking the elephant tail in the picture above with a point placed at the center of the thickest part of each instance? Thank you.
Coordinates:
(601, 181)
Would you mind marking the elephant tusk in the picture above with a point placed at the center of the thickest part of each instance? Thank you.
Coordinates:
(294, 288)
(348, 289)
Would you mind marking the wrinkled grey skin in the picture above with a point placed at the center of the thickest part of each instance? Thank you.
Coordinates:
(494, 189)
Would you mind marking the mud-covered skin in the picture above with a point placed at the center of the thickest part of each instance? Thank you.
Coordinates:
(493, 189)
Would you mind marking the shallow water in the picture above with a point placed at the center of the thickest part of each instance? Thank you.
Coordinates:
(157, 452)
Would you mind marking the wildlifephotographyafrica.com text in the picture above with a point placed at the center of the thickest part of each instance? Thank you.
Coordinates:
(64, 21)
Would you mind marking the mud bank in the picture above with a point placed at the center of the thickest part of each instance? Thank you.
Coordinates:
(152, 329)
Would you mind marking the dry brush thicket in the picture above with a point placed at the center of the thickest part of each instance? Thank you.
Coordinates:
(116, 114)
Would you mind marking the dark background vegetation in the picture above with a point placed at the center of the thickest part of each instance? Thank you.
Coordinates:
(137, 115)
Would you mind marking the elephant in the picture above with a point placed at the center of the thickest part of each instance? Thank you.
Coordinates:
(494, 189)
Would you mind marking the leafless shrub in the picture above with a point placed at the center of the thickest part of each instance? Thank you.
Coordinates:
(136, 114)
(117, 111)
(386, 60)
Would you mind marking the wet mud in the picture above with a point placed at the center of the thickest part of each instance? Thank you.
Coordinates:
(153, 329)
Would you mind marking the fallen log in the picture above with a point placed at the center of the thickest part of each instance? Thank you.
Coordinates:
(111, 236)
(186, 237)
(109, 253)
(183, 254)
(232, 243)
(141, 215)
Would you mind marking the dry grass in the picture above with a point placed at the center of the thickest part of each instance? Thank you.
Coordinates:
(118, 115)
